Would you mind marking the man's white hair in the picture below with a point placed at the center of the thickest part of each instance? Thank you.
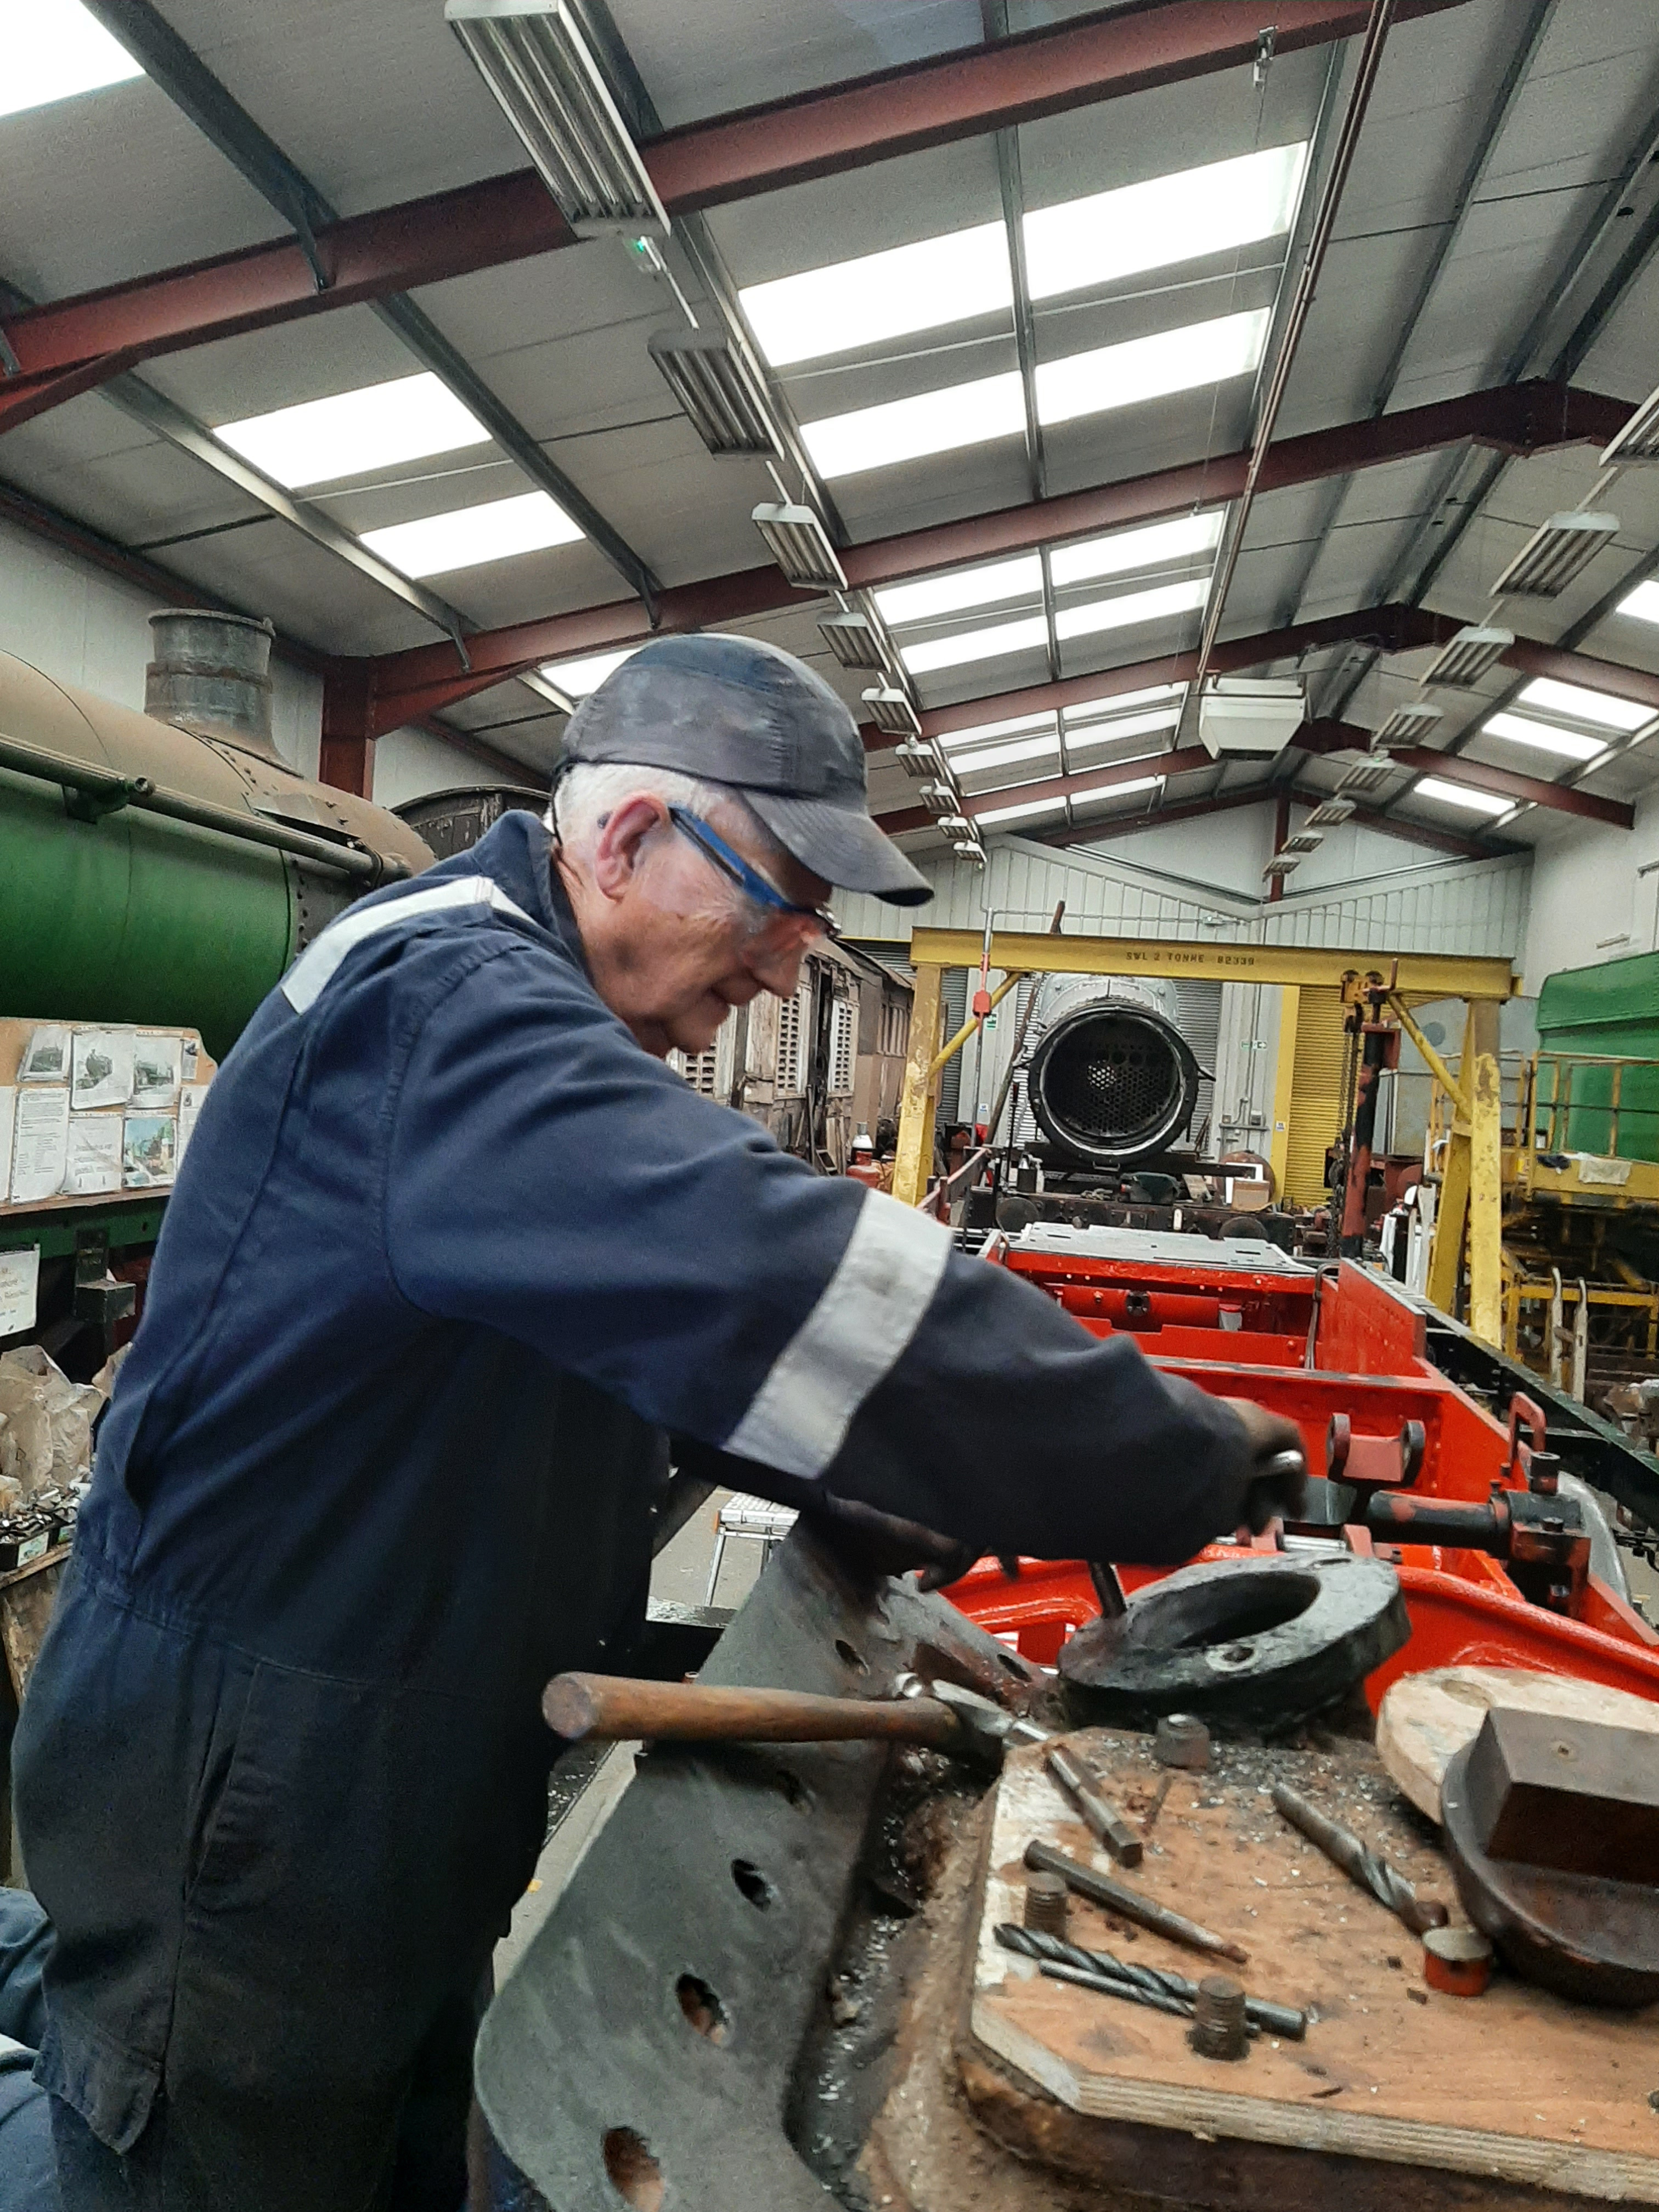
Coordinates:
(589, 791)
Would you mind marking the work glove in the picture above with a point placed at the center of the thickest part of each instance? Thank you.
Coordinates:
(1276, 1481)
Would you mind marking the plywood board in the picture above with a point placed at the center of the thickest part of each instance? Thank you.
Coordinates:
(1427, 1719)
(1516, 2086)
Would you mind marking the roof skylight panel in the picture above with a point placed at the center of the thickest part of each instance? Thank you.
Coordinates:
(353, 432)
(576, 678)
(496, 531)
(1155, 545)
(56, 50)
(957, 739)
(1128, 608)
(1116, 791)
(1093, 383)
(881, 296)
(1460, 794)
(1642, 603)
(989, 642)
(1024, 813)
(961, 588)
(1545, 693)
(1133, 227)
(1017, 749)
(1152, 367)
(1543, 737)
(1127, 726)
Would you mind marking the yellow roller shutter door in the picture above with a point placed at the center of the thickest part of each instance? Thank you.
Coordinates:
(1315, 1115)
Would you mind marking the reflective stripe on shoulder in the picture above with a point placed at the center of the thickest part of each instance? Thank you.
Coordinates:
(851, 1338)
(312, 972)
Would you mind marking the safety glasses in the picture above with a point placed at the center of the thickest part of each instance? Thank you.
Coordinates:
(749, 880)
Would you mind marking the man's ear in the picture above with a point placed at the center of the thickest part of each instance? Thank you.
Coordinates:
(619, 848)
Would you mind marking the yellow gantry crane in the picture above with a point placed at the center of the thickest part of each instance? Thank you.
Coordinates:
(1470, 1211)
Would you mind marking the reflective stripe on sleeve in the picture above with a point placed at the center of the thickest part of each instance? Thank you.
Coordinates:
(853, 1336)
(312, 971)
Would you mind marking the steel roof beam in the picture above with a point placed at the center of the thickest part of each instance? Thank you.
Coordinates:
(1517, 417)
(509, 218)
(177, 70)
(1258, 794)
(1325, 736)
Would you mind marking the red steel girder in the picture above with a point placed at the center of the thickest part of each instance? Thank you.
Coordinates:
(1513, 418)
(985, 88)
(1260, 794)
(1180, 761)
(1331, 737)
(505, 219)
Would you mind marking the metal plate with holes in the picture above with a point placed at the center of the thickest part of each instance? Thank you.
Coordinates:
(1236, 1255)
(645, 2050)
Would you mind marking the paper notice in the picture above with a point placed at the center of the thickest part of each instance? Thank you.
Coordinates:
(148, 1146)
(39, 1145)
(8, 1116)
(95, 1154)
(47, 1059)
(19, 1279)
(188, 1059)
(190, 1105)
(103, 1068)
(155, 1063)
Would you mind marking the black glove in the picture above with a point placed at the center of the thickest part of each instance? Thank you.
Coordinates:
(1277, 1483)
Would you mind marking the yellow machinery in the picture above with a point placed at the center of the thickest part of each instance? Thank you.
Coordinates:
(1471, 1199)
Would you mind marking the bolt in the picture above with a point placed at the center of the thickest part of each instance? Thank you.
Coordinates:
(1219, 2029)
(1045, 1904)
(1180, 1739)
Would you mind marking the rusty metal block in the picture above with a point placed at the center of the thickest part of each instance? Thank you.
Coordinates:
(1575, 1797)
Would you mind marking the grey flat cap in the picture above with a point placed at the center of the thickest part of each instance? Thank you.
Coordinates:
(732, 710)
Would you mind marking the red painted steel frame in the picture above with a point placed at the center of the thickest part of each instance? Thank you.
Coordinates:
(1239, 1334)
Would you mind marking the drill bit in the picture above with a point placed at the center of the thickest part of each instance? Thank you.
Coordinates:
(1062, 1968)
(1344, 1849)
(1156, 1981)
(1130, 1904)
(1100, 1815)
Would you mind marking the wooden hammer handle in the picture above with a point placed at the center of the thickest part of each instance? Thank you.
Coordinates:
(615, 1709)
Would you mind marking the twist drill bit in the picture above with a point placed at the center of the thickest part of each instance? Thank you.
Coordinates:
(1361, 1865)
(1059, 1967)
(1130, 1904)
(1155, 1981)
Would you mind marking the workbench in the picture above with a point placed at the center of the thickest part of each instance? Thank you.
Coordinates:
(1397, 2091)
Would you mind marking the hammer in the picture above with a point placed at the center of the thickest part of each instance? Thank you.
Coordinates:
(616, 1708)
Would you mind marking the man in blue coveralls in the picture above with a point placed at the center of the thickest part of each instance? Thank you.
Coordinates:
(451, 1251)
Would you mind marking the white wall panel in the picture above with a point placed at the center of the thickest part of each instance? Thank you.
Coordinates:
(1589, 902)
(79, 626)
(410, 763)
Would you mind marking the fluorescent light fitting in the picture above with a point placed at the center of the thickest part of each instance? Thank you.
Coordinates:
(992, 642)
(1642, 603)
(877, 296)
(500, 530)
(917, 757)
(1460, 794)
(1153, 367)
(1639, 439)
(1543, 737)
(960, 589)
(1464, 659)
(799, 544)
(1017, 749)
(1026, 812)
(726, 403)
(56, 50)
(939, 798)
(890, 709)
(1557, 551)
(351, 433)
(1154, 547)
(854, 640)
(546, 83)
(576, 678)
(1281, 865)
(1413, 724)
(1304, 841)
(1328, 813)
(970, 849)
(957, 825)
(1365, 775)
(1129, 608)
(1117, 234)
(1584, 706)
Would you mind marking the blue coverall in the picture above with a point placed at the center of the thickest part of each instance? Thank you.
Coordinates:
(448, 1254)
(28, 2182)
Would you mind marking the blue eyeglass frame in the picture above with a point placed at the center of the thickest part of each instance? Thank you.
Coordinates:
(749, 880)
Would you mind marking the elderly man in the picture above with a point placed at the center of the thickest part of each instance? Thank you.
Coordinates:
(451, 1252)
